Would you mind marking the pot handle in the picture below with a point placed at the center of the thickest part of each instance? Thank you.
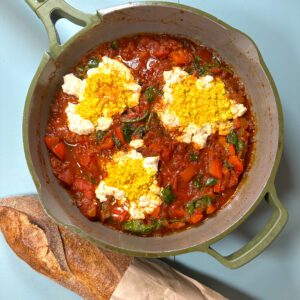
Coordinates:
(50, 11)
(262, 240)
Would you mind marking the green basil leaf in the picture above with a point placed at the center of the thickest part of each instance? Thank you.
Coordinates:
(211, 181)
(167, 194)
(93, 63)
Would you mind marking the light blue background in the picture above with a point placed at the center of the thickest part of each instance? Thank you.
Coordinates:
(275, 26)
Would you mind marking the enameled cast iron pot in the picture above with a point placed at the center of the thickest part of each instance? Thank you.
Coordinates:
(159, 17)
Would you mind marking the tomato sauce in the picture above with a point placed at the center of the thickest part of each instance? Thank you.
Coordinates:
(196, 183)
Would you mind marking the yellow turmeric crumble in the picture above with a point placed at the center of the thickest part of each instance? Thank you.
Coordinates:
(130, 176)
(109, 90)
(200, 106)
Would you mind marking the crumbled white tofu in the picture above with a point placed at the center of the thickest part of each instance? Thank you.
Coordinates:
(169, 120)
(138, 143)
(104, 123)
(135, 212)
(151, 162)
(72, 85)
(204, 82)
(103, 190)
(154, 188)
(133, 154)
(198, 136)
(76, 123)
(145, 205)
(238, 110)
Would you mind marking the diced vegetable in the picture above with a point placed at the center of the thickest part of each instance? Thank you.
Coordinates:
(217, 187)
(138, 226)
(167, 194)
(100, 134)
(180, 57)
(127, 132)
(51, 141)
(215, 168)
(93, 63)
(66, 176)
(188, 173)
(237, 163)
(211, 209)
(108, 143)
(137, 119)
(114, 45)
(178, 213)
(120, 214)
(60, 150)
(156, 212)
(177, 225)
(119, 135)
(196, 218)
(231, 149)
(193, 156)
(211, 181)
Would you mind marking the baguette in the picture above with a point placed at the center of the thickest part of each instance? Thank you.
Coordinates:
(58, 253)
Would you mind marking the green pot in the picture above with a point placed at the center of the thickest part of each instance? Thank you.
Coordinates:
(159, 17)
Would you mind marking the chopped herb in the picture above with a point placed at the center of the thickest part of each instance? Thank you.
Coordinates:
(93, 63)
(197, 184)
(117, 142)
(100, 134)
(127, 132)
(239, 146)
(197, 67)
(211, 181)
(193, 156)
(232, 138)
(190, 207)
(140, 131)
(114, 45)
(197, 181)
(138, 226)
(137, 119)
(203, 202)
(151, 115)
(216, 60)
(150, 93)
(168, 196)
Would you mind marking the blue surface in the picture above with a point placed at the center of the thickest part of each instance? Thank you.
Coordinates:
(274, 25)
